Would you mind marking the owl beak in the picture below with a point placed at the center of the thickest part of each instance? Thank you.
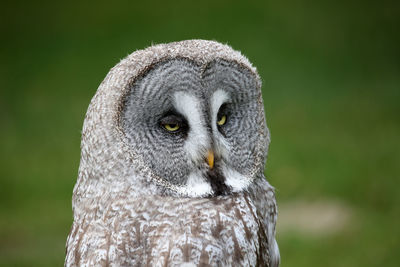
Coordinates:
(210, 158)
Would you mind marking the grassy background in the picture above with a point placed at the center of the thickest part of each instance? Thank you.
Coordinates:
(331, 76)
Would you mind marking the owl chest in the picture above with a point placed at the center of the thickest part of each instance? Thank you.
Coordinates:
(147, 233)
(205, 235)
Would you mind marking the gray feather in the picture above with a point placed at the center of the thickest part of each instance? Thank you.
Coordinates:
(148, 197)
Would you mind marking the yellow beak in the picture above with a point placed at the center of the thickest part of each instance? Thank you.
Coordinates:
(210, 158)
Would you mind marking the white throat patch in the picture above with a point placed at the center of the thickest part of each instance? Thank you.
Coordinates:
(196, 186)
(236, 181)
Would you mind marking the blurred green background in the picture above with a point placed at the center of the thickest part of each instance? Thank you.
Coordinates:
(331, 73)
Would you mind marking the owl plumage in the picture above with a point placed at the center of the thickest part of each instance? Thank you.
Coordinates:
(173, 150)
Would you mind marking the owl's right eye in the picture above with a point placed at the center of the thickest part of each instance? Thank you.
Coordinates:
(173, 123)
(171, 127)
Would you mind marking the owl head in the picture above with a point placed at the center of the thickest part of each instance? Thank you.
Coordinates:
(182, 119)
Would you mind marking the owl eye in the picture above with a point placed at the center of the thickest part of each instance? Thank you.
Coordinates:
(223, 114)
(171, 127)
(222, 120)
(173, 123)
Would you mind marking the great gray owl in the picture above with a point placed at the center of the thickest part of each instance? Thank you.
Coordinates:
(173, 150)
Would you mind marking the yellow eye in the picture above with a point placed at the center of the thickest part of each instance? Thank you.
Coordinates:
(222, 120)
(171, 127)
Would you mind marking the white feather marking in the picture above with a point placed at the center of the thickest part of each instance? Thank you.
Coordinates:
(217, 100)
(234, 179)
(198, 140)
(196, 186)
(275, 255)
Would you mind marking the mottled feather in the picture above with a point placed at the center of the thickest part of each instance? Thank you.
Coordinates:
(147, 198)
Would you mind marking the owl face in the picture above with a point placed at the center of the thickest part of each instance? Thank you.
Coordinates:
(197, 127)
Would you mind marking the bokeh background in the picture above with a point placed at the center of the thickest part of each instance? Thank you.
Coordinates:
(331, 86)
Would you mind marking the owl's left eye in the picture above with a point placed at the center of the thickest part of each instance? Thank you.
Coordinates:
(222, 115)
(221, 121)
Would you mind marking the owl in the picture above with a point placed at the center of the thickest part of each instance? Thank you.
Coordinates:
(173, 150)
